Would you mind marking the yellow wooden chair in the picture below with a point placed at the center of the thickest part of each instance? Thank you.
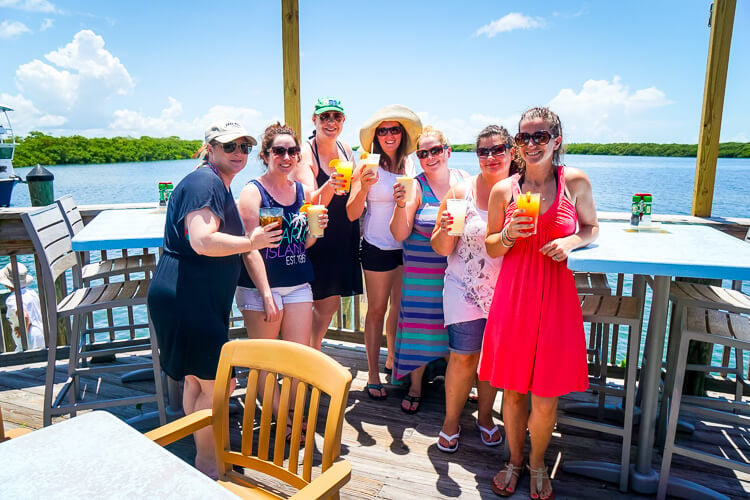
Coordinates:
(301, 368)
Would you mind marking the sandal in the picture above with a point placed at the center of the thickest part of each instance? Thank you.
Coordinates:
(491, 433)
(376, 387)
(449, 448)
(510, 471)
(411, 400)
(538, 476)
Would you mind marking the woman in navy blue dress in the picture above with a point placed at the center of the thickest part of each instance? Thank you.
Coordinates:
(190, 297)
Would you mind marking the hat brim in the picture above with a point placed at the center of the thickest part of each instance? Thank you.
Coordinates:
(329, 108)
(393, 113)
(229, 137)
(7, 281)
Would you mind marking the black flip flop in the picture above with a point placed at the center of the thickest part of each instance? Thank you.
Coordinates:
(411, 399)
(375, 387)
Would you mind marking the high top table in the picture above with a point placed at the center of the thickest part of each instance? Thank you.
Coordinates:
(662, 251)
(96, 455)
(119, 229)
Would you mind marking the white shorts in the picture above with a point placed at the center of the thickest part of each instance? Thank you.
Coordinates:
(248, 299)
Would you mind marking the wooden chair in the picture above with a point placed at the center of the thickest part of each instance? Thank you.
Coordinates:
(719, 328)
(261, 449)
(11, 433)
(52, 244)
(105, 268)
(593, 284)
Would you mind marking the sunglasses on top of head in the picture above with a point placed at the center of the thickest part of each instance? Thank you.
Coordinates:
(331, 117)
(229, 147)
(281, 150)
(540, 137)
(498, 150)
(383, 131)
(434, 151)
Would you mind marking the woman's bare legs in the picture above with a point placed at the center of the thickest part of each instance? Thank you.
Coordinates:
(391, 322)
(541, 424)
(323, 311)
(197, 395)
(516, 418)
(378, 285)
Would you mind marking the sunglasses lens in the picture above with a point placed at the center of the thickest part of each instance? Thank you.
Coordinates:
(281, 151)
(541, 137)
(522, 139)
(422, 154)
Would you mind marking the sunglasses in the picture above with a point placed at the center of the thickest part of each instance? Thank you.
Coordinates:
(281, 150)
(498, 150)
(229, 147)
(434, 151)
(382, 132)
(541, 138)
(331, 117)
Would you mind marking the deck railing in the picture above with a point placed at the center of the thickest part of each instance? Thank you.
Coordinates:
(347, 325)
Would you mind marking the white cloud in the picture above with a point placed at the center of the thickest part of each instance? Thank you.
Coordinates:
(83, 68)
(26, 117)
(170, 122)
(46, 24)
(604, 111)
(87, 55)
(29, 5)
(510, 22)
(10, 29)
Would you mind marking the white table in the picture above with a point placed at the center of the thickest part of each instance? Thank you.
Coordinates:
(96, 455)
(672, 250)
(118, 229)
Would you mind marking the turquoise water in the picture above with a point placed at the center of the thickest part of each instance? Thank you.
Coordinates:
(614, 180)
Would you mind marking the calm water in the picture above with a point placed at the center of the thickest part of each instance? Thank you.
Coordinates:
(614, 180)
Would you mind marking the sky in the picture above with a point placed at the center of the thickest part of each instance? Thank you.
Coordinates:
(629, 71)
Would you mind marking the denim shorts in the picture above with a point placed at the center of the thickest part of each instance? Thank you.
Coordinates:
(248, 299)
(466, 337)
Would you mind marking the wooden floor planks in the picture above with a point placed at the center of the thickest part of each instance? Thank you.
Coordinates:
(394, 456)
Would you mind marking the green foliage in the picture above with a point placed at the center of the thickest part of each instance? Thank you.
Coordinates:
(726, 150)
(38, 147)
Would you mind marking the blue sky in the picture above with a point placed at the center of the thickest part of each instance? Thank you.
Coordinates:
(614, 71)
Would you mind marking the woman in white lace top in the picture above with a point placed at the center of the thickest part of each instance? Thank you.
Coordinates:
(470, 280)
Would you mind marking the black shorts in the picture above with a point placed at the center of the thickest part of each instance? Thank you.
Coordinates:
(375, 259)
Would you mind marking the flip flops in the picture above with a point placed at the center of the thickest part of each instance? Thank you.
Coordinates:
(491, 432)
(378, 388)
(411, 399)
(449, 448)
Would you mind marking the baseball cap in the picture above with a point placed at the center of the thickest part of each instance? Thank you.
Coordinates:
(328, 104)
(227, 131)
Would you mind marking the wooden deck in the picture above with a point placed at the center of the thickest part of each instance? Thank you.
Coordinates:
(394, 456)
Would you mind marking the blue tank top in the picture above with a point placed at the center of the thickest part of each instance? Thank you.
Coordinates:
(286, 265)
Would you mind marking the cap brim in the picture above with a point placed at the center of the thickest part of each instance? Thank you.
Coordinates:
(329, 108)
(225, 138)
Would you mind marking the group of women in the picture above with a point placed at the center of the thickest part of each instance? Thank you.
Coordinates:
(496, 301)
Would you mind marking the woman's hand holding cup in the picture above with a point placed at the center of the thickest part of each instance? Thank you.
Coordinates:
(521, 225)
(367, 177)
(399, 195)
(337, 182)
(268, 236)
(446, 221)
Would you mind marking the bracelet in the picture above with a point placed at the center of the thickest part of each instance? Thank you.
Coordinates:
(505, 238)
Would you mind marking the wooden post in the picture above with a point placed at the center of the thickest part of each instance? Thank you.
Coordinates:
(290, 44)
(722, 21)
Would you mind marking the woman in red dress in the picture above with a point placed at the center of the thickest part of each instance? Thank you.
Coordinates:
(534, 341)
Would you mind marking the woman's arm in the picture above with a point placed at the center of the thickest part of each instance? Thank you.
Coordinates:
(249, 208)
(500, 239)
(441, 241)
(361, 184)
(588, 225)
(402, 220)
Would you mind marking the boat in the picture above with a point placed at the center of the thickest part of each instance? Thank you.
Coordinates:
(8, 177)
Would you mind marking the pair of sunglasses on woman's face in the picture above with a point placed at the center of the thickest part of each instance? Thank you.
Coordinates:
(281, 150)
(540, 138)
(383, 131)
(331, 117)
(498, 150)
(433, 151)
(229, 147)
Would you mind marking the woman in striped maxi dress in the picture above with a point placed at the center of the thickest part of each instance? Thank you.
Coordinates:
(421, 335)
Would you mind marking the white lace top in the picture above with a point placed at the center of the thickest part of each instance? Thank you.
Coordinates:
(471, 275)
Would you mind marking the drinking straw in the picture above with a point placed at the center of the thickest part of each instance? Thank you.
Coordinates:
(320, 198)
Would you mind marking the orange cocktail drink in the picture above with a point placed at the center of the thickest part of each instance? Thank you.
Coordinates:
(345, 169)
(529, 203)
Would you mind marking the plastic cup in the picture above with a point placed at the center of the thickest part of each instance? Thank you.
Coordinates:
(313, 220)
(269, 215)
(345, 168)
(457, 208)
(530, 204)
(371, 162)
(408, 183)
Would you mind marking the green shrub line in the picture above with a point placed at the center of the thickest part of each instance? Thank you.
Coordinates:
(38, 147)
